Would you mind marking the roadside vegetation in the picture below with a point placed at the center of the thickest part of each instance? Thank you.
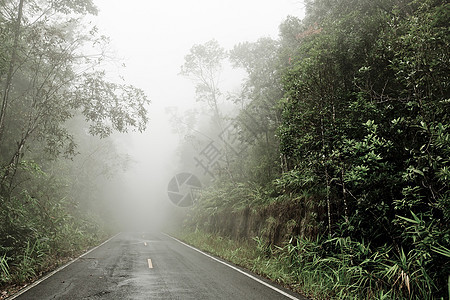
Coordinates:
(342, 187)
(57, 110)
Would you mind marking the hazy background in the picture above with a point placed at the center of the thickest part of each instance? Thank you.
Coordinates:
(151, 38)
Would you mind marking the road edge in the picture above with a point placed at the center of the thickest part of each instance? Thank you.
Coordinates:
(237, 269)
(25, 289)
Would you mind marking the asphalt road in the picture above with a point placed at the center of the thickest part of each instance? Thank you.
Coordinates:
(152, 266)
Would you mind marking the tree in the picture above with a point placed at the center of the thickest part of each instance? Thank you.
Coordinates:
(260, 115)
(46, 81)
(203, 65)
(363, 89)
(364, 115)
(49, 80)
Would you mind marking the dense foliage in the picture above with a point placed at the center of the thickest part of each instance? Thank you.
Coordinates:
(354, 103)
(54, 99)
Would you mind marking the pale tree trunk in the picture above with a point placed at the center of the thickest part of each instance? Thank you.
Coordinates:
(219, 120)
(10, 73)
(344, 196)
(327, 178)
(328, 200)
(11, 169)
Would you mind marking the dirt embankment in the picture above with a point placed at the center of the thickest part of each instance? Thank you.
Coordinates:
(275, 222)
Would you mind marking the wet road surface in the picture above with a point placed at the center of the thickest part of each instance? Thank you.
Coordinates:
(151, 266)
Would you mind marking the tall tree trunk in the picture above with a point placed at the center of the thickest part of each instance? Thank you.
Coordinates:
(11, 169)
(344, 195)
(328, 200)
(327, 178)
(12, 63)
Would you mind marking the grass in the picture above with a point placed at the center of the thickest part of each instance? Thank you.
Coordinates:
(252, 255)
(41, 257)
(336, 268)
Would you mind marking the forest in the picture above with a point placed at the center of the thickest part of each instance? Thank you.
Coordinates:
(340, 188)
(332, 169)
(58, 109)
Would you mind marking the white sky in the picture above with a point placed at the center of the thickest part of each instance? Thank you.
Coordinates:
(152, 38)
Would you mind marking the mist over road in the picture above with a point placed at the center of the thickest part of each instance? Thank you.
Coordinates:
(150, 266)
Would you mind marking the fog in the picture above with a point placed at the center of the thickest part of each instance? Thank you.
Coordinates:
(151, 39)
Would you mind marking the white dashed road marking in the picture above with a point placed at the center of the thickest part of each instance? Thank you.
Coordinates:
(150, 265)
